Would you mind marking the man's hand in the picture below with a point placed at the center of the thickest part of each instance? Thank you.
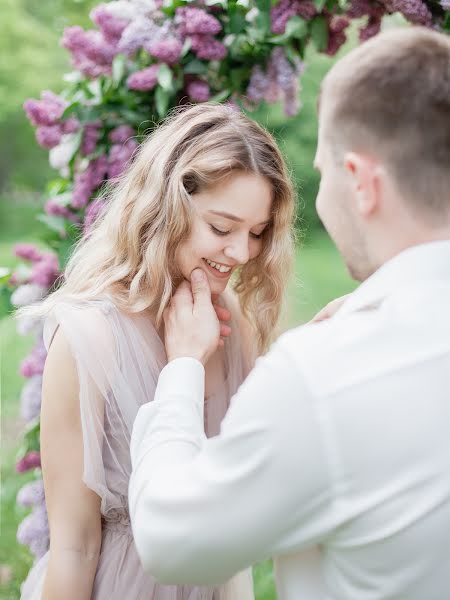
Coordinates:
(192, 325)
(330, 309)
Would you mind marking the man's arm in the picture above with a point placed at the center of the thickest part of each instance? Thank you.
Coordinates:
(203, 510)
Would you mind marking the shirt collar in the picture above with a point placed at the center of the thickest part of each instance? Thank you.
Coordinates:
(424, 262)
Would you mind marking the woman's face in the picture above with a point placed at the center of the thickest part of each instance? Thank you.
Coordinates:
(227, 228)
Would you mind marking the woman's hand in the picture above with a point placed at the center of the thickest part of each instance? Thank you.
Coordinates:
(330, 309)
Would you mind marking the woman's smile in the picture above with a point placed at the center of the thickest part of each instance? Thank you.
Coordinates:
(218, 269)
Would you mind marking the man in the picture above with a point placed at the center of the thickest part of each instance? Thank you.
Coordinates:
(334, 456)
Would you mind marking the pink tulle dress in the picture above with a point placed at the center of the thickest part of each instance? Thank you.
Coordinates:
(119, 357)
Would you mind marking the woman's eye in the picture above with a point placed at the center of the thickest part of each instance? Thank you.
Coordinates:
(256, 236)
(219, 231)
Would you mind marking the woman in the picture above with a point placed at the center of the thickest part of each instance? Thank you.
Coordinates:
(209, 188)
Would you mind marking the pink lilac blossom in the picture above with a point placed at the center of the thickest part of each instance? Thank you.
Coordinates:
(119, 157)
(192, 20)
(48, 136)
(445, 4)
(415, 11)
(336, 34)
(284, 10)
(208, 48)
(46, 271)
(93, 211)
(34, 363)
(32, 460)
(91, 135)
(372, 28)
(46, 111)
(30, 398)
(28, 293)
(88, 181)
(31, 494)
(33, 531)
(71, 125)
(54, 208)
(91, 53)
(198, 90)
(138, 34)
(27, 252)
(121, 134)
(167, 51)
(144, 80)
(109, 24)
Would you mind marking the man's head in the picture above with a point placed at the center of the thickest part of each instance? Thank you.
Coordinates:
(384, 147)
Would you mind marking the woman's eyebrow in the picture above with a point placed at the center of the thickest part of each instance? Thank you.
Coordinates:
(233, 217)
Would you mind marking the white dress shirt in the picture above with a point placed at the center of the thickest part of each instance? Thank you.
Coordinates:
(334, 456)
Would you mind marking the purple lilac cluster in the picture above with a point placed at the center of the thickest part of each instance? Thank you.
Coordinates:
(34, 363)
(91, 135)
(30, 398)
(45, 114)
(33, 531)
(198, 90)
(167, 51)
(280, 81)
(44, 269)
(200, 27)
(145, 79)
(284, 10)
(30, 461)
(91, 52)
(93, 211)
(87, 181)
(54, 207)
(414, 11)
(111, 25)
(336, 33)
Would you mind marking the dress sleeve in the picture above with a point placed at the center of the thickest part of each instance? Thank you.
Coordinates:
(114, 381)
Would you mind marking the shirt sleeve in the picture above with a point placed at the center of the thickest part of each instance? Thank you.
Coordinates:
(204, 509)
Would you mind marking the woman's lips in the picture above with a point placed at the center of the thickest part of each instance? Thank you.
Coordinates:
(217, 273)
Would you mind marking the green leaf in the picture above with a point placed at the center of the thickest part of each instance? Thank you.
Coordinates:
(296, 28)
(237, 22)
(195, 67)
(162, 101)
(319, 33)
(221, 96)
(5, 274)
(165, 78)
(5, 301)
(319, 4)
(118, 69)
(53, 222)
(71, 109)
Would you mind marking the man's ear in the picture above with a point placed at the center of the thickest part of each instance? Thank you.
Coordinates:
(364, 174)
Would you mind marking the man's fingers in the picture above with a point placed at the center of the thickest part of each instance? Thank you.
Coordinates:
(200, 288)
(223, 314)
(183, 295)
(225, 331)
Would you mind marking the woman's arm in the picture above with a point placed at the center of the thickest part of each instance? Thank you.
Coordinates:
(73, 509)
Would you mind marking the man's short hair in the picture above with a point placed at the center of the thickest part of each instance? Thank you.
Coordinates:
(390, 97)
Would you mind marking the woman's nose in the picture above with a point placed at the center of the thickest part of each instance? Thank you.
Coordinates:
(238, 251)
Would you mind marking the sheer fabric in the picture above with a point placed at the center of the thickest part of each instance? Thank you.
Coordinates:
(119, 357)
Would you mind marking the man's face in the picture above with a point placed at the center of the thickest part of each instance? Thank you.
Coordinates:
(336, 203)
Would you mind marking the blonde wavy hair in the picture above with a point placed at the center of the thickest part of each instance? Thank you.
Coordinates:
(130, 251)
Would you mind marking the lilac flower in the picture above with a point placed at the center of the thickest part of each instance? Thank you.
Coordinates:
(208, 48)
(284, 10)
(372, 28)
(46, 271)
(34, 363)
(71, 125)
(93, 211)
(198, 90)
(110, 25)
(415, 11)
(445, 4)
(30, 398)
(138, 34)
(91, 135)
(91, 53)
(28, 293)
(34, 531)
(121, 134)
(27, 252)
(167, 51)
(144, 80)
(53, 207)
(32, 460)
(88, 181)
(48, 136)
(27, 325)
(258, 85)
(336, 35)
(191, 20)
(31, 494)
(47, 111)
(119, 157)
